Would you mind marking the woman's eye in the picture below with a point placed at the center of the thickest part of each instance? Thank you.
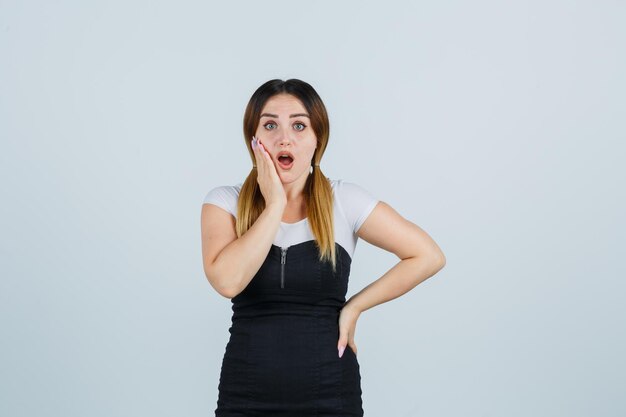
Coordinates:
(298, 126)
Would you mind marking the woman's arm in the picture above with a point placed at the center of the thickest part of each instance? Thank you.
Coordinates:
(230, 263)
(420, 257)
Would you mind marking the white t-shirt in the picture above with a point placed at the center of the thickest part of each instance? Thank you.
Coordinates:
(352, 205)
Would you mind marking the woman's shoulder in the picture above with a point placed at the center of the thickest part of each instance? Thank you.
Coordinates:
(224, 190)
(224, 196)
(347, 187)
(355, 201)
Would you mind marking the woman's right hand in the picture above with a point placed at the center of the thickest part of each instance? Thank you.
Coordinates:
(267, 176)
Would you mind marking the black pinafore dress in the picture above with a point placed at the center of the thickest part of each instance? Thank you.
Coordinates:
(281, 358)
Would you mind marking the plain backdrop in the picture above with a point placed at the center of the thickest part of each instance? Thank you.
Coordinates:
(497, 127)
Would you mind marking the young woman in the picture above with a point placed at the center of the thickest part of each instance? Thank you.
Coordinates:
(280, 246)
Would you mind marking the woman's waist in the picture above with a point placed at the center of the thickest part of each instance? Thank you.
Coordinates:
(304, 307)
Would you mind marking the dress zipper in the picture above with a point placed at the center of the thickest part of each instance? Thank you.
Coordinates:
(282, 266)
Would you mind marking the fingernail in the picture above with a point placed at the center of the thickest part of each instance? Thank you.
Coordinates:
(253, 142)
(341, 349)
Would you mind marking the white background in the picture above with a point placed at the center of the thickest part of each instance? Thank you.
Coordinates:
(498, 127)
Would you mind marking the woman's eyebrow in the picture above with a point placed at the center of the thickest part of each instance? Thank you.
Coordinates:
(293, 115)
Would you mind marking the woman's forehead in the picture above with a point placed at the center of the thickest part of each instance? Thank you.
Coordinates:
(283, 103)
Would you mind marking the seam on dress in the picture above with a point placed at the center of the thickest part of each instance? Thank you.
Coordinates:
(250, 374)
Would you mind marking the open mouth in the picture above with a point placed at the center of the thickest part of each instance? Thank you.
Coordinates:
(285, 161)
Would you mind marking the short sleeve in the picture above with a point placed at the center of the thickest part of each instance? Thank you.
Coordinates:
(356, 202)
(224, 196)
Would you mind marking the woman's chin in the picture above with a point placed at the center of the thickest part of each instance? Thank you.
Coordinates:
(288, 175)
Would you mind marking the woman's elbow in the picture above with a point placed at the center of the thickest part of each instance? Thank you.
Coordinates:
(225, 291)
(439, 259)
(223, 287)
(435, 259)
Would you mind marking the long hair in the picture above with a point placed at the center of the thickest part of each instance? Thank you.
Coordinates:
(317, 189)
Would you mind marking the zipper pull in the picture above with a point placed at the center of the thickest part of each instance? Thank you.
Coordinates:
(282, 266)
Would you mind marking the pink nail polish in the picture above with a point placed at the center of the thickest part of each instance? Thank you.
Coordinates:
(341, 349)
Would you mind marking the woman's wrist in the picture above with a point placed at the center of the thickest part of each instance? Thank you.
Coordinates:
(352, 305)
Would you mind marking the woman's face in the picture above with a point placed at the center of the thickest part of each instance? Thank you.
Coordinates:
(284, 126)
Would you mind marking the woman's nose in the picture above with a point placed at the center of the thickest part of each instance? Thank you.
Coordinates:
(284, 137)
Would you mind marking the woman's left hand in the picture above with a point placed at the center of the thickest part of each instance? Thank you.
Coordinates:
(347, 327)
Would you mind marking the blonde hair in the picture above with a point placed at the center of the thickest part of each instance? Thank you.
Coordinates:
(318, 193)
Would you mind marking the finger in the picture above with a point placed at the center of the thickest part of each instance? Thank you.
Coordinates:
(266, 156)
(256, 149)
(254, 145)
(259, 147)
(261, 159)
(264, 151)
(343, 341)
